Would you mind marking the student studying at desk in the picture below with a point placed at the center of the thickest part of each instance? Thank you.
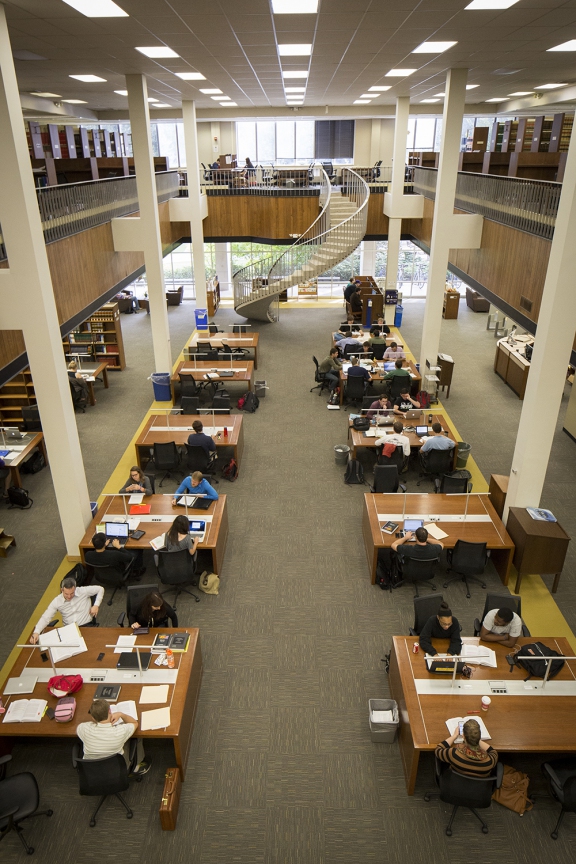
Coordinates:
(106, 734)
(74, 605)
(137, 482)
(472, 757)
(437, 440)
(443, 625)
(195, 485)
(501, 625)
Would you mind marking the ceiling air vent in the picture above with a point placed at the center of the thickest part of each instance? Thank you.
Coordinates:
(525, 303)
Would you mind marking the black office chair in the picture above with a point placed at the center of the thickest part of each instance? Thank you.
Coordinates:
(78, 393)
(396, 458)
(188, 385)
(213, 328)
(386, 479)
(424, 608)
(19, 800)
(354, 389)
(31, 418)
(351, 351)
(320, 378)
(434, 463)
(475, 793)
(397, 385)
(376, 170)
(378, 350)
(452, 485)
(152, 479)
(177, 569)
(197, 459)
(166, 459)
(239, 328)
(468, 560)
(204, 347)
(106, 574)
(103, 777)
(500, 601)
(416, 570)
(190, 404)
(329, 169)
(221, 401)
(561, 775)
(134, 597)
(241, 352)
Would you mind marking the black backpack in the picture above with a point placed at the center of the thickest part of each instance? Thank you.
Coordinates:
(34, 464)
(354, 472)
(230, 470)
(80, 573)
(251, 402)
(19, 497)
(387, 573)
(536, 668)
(362, 424)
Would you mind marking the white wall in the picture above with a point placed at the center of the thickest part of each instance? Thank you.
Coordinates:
(205, 152)
(362, 142)
(386, 141)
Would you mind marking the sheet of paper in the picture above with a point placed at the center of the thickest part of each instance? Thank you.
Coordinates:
(136, 498)
(452, 725)
(156, 695)
(382, 717)
(125, 644)
(159, 718)
(435, 531)
(128, 707)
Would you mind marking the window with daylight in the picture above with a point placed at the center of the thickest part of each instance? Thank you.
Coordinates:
(286, 142)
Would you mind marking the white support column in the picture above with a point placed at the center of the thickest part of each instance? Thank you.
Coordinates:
(375, 140)
(27, 303)
(442, 228)
(149, 222)
(196, 228)
(551, 355)
(223, 264)
(368, 258)
(394, 200)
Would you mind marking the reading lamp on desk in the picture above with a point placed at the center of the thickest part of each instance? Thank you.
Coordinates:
(48, 648)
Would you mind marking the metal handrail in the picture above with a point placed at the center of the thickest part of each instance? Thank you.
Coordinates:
(70, 208)
(526, 205)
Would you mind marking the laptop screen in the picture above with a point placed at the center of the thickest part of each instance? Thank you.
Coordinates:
(421, 430)
(412, 524)
(117, 529)
(197, 525)
(388, 367)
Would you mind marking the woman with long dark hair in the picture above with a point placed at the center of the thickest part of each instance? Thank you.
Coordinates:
(178, 537)
(155, 612)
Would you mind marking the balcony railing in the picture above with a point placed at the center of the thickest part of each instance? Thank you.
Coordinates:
(68, 209)
(526, 205)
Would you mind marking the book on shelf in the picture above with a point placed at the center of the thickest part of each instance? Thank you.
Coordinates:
(26, 711)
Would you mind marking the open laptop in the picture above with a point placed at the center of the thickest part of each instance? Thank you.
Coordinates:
(413, 414)
(12, 432)
(117, 531)
(385, 418)
(197, 528)
(412, 524)
(422, 431)
(226, 373)
(24, 684)
(389, 365)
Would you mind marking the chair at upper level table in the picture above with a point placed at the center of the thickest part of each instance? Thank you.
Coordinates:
(424, 608)
(468, 560)
(475, 793)
(498, 601)
(386, 479)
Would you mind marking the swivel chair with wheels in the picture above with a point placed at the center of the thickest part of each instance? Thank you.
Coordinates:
(19, 800)
(468, 560)
(416, 570)
(221, 402)
(197, 459)
(166, 459)
(188, 385)
(433, 463)
(31, 418)
(79, 395)
(354, 389)
(424, 608)
(452, 485)
(378, 350)
(386, 479)
(561, 775)
(106, 574)
(190, 404)
(103, 777)
(134, 597)
(475, 793)
(397, 385)
(177, 569)
(499, 601)
(396, 458)
(320, 377)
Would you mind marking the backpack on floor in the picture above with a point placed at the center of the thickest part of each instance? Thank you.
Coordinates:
(19, 497)
(387, 573)
(354, 472)
(536, 668)
(80, 573)
(34, 464)
(250, 402)
(230, 470)
(424, 399)
(335, 397)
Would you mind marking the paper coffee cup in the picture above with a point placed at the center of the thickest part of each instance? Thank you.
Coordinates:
(485, 703)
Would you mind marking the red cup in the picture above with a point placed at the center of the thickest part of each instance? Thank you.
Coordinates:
(415, 648)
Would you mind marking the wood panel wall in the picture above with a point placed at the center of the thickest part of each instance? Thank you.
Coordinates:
(271, 218)
(377, 221)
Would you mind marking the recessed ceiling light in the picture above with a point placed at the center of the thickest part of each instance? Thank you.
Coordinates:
(220, 98)
(214, 90)
(472, 86)
(229, 104)
(497, 99)
(549, 86)
(521, 93)
(75, 101)
(491, 4)
(429, 101)
(361, 101)
(156, 52)
(87, 79)
(440, 94)
(45, 95)
(380, 89)
(121, 92)
(433, 47)
(151, 99)
(294, 89)
(294, 7)
(399, 73)
(565, 46)
(191, 76)
(300, 74)
(161, 105)
(293, 50)
(97, 8)
(369, 95)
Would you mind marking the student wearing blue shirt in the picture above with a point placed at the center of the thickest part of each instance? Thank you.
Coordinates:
(195, 485)
(437, 441)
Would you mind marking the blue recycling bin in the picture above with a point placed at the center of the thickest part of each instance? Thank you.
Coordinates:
(161, 384)
(398, 316)
(201, 316)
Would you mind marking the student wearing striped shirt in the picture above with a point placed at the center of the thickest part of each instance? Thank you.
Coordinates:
(106, 734)
(473, 757)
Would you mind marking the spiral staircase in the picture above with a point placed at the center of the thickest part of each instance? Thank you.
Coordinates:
(335, 234)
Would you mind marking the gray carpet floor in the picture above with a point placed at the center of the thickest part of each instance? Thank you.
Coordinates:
(282, 767)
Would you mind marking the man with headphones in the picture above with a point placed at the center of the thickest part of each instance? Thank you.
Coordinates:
(74, 604)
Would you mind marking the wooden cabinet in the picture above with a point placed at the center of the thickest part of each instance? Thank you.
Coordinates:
(99, 337)
(15, 394)
(497, 492)
(451, 303)
(541, 547)
(213, 297)
(511, 367)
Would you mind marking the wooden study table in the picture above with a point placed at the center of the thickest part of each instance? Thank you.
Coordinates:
(94, 370)
(249, 341)
(359, 439)
(243, 372)
(378, 376)
(159, 520)
(182, 695)
(482, 524)
(529, 723)
(162, 428)
(365, 337)
(30, 441)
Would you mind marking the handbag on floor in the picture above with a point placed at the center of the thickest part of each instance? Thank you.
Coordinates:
(170, 799)
(209, 582)
(513, 793)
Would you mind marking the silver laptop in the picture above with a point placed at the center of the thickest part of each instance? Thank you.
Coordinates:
(25, 684)
(413, 414)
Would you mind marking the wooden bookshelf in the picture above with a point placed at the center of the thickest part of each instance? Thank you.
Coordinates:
(509, 136)
(213, 298)
(14, 395)
(524, 135)
(99, 337)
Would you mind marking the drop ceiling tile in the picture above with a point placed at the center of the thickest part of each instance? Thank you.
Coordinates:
(250, 23)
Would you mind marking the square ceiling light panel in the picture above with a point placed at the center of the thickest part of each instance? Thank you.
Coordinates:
(301, 74)
(433, 47)
(191, 76)
(400, 73)
(522, 93)
(87, 79)
(491, 4)
(97, 8)
(549, 86)
(565, 46)
(294, 7)
(293, 50)
(295, 89)
(212, 92)
(157, 52)
(380, 89)
(45, 95)
(75, 101)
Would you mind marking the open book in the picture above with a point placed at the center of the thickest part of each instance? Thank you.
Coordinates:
(478, 655)
(25, 711)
